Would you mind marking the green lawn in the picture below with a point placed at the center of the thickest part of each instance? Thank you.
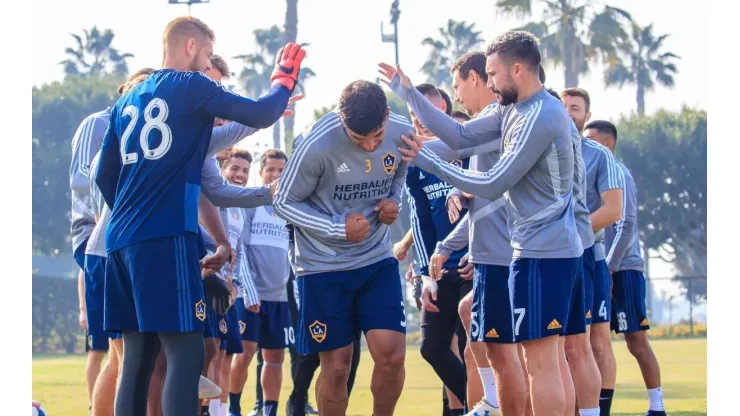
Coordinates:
(58, 382)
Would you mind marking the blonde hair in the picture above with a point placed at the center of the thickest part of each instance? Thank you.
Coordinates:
(183, 28)
(221, 66)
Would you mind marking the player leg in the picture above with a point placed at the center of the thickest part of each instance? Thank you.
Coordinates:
(356, 354)
(326, 326)
(306, 366)
(474, 353)
(382, 315)
(538, 322)
(453, 404)
(104, 394)
(97, 338)
(248, 323)
(601, 342)
(157, 385)
(437, 330)
(234, 349)
(583, 368)
(631, 320)
(215, 370)
(528, 409)
(259, 397)
(277, 334)
(568, 387)
(496, 332)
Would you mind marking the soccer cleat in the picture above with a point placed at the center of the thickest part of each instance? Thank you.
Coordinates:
(483, 408)
(255, 412)
(208, 389)
(287, 66)
(310, 410)
(656, 413)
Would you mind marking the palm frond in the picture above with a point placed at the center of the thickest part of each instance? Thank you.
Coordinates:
(516, 8)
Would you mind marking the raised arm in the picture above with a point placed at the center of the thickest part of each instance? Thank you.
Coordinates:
(223, 194)
(526, 147)
(297, 182)
(227, 136)
(445, 152)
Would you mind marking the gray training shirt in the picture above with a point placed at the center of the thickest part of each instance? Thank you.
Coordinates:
(623, 239)
(580, 208)
(535, 173)
(267, 239)
(328, 177)
(602, 174)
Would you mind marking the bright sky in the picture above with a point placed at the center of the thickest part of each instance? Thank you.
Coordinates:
(346, 44)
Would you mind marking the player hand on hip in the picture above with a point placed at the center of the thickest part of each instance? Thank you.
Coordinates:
(414, 144)
(429, 294)
(454, 206)
(356, 227)
(288, 112)
(435, 265)
(287, 66)
(389, 71)
(387, 210)
(467, 271)
(400, 251)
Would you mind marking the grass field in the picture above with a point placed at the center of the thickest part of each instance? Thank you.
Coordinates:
(58, 382)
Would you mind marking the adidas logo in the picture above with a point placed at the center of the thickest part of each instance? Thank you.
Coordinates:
(554, 325)
(644, 322)
(588, 314)
(343, 168)
(492, 333)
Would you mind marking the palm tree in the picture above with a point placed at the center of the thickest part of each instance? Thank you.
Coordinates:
(455, 40)
(255, 76)
(572, 33)
(94, 55)
(643, 64)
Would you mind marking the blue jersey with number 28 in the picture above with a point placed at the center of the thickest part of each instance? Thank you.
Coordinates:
(155, 147)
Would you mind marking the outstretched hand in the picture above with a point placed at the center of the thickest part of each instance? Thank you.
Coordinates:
(414, 143)
(298, 97)
(388, 72)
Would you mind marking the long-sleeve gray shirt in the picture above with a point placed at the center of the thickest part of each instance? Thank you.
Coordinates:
(602, 174)
(267, 239)
(328, 177)
(580, 207)
(623, 238)
(535, 173)
(85, 145)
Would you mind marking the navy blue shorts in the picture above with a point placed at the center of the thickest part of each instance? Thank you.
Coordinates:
(79, 254)
(336, 305)
(155, 286)
(97, 337)
(231, 340)
(629, 309)
(548, 297)
(271, 328)
(589, 271)
(491, 318)
(248, 322)
(597, 282)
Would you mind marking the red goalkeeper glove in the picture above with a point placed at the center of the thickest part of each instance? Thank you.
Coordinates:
(287, 66)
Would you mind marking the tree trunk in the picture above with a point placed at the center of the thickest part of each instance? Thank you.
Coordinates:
(291, 35)
(640, 100)
(571, 77)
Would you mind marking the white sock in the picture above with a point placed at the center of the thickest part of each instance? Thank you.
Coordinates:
(589, 412)
(489, 385)
(224, 411)
(656, 399)
(213, 407)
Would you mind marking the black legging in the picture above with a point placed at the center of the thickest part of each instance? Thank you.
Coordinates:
(184, 353)
(437, 329)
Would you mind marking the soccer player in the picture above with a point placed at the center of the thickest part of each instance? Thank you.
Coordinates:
(430, 224)
(341, 190)
(536, 173)
(152, 185)
(629, 312)
(604, 192)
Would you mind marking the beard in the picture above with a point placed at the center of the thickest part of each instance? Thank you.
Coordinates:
(507, 95)
(579, 124)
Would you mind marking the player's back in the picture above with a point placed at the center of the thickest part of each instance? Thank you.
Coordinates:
(632, 259)
(540, 204)
(350, 181)
(580, 208)
(163, 136)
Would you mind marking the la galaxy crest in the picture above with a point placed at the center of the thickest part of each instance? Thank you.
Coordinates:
(200, 310)
(389, 162)
(457, 162)
(222, 326)
(318, 331)
(235, 214)
(242, 327)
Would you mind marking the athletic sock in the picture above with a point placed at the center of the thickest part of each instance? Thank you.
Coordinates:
(235, 405)
(589, 412)
(223, 409)
(605, 401)
(489, 385)
(457, 412)
(270, 408)
(656, 399)
(204, 411)
(213, 406)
